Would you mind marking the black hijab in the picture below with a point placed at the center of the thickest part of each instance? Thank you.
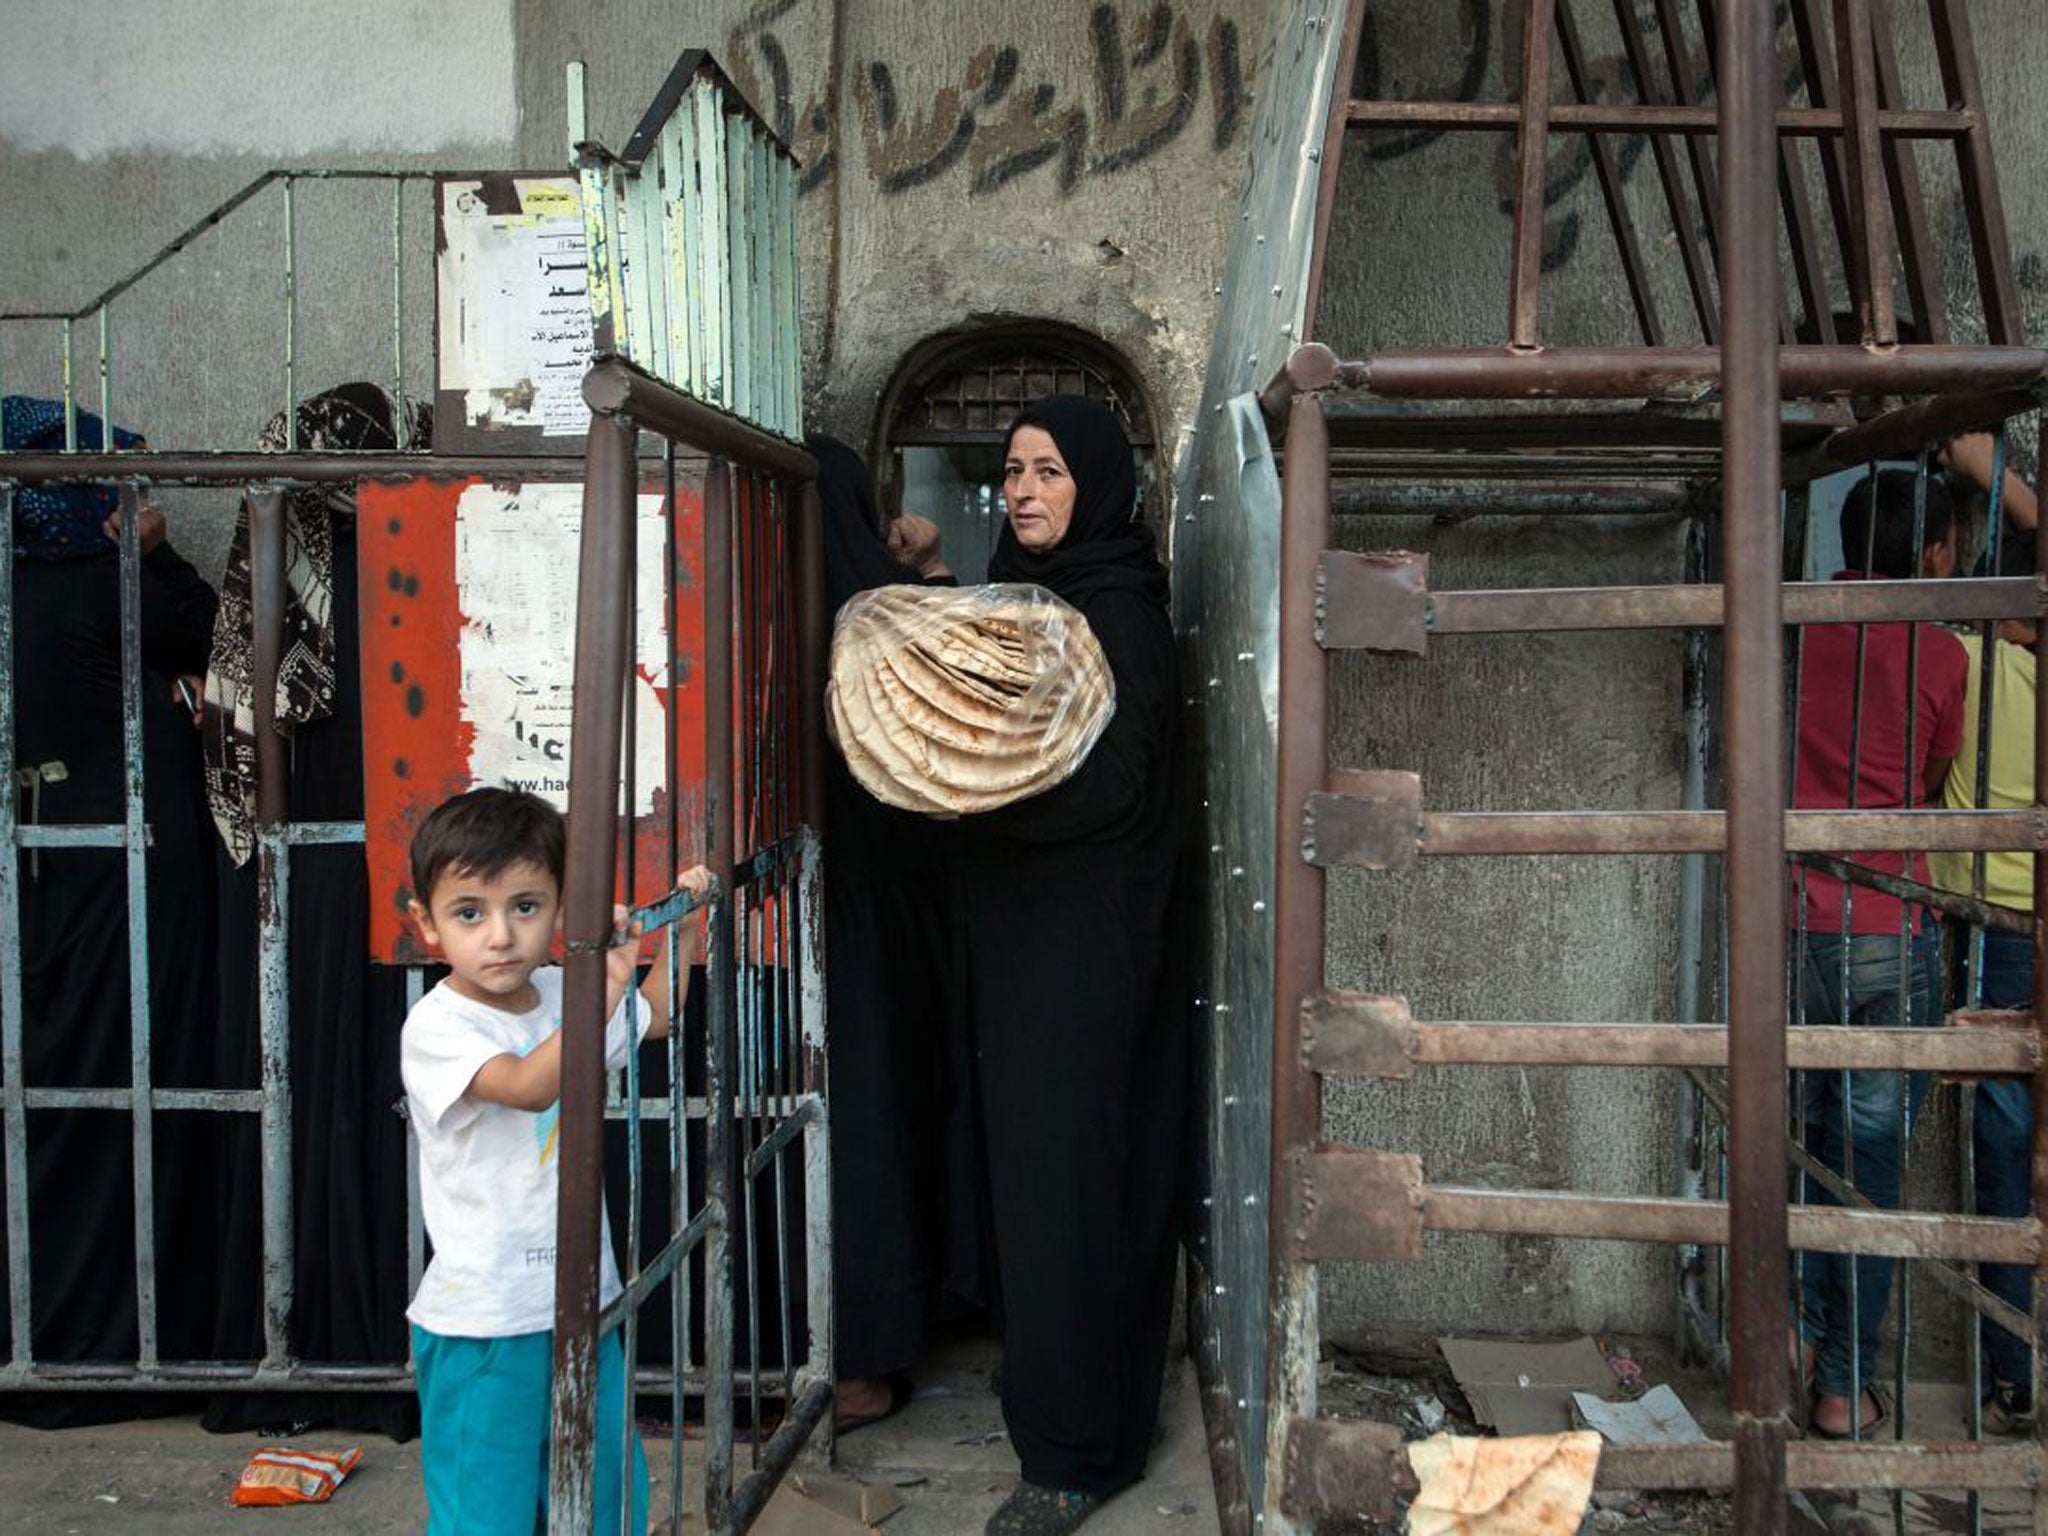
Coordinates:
(855, 556)
(1106, 549)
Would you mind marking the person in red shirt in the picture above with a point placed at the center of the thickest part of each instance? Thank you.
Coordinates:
(1863, 957)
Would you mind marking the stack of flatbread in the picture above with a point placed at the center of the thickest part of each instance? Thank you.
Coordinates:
(951, 700)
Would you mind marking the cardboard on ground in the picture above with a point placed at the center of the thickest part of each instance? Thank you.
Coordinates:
(1525, 1388)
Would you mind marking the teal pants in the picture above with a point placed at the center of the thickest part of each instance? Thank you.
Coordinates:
(485, 1408)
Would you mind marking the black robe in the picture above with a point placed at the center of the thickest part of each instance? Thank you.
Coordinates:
(348, 1139)
(75, 995)
(1062, 903)
(903, 1188)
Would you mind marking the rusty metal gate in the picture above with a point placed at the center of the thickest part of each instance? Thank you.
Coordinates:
(1536, 426)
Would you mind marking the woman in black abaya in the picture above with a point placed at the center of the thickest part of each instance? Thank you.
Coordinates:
(75, 923)
(1062, 903)
(903, 1227)
(348, 1142)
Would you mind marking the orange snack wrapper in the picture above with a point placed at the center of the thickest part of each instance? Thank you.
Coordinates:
(281, 1475)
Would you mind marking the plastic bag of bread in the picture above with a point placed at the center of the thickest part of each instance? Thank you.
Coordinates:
(951, 700)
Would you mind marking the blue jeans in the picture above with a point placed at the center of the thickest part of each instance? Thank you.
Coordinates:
(2003, 1145)
(1864, 1114)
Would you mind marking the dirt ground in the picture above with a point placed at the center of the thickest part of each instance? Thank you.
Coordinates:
(944, 1455)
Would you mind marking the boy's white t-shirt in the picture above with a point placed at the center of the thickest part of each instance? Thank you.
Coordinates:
(488, 1175)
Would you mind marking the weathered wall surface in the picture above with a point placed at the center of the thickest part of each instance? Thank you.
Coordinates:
(122, 126)
(964, 163)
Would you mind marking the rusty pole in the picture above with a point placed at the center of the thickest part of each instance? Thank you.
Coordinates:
(1755, 762)
(1302, 766)
(2039, 1148)
(597, 724)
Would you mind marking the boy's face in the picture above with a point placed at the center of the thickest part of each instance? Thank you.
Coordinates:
(493, 933)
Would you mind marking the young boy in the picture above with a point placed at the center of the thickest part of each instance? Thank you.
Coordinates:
(482, 1060)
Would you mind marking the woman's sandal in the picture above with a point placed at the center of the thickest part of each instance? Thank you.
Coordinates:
(1878, 1399)
(1035, 1511)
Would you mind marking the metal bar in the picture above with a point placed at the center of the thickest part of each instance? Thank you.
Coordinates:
(241, 1100)
(1298, 933)
(1983, 204)
(1621, 117)
(1868, 254)
(135, 850)
(86, 835)
(1587, 832)
(1908, 428)
(614, 386)
(1809, 262)
(1909, 199)
(1702, 606)
(779, 1454)
(415, 1221)
(401, 427)
(110, 1377)
(13, 1102)
(1671, 30)
(1698, 270)
(1481, 373)
(303, 468)
(1329, 156)
(1974, 1052)
(719, 978)
(787, 1129)
(1964, 1289)
(1969, 908)
(1531, 170)
(70, 394)
(1746, 73)
(1612, 192)
(603, 651)
(291, 315)
(649, 1276)
(2039, 1148)
(209, 221)
(818, 1236)
(679, 1216)
(273, 909)
(1819, 1228)
(1819, 1465)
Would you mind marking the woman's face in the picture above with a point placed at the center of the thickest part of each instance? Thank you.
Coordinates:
(1037, 489)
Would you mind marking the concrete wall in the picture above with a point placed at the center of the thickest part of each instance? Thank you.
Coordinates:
(964, 163)
(121, 127)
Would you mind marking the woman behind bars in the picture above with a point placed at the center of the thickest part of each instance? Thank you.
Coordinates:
(1061, 905)
(70, 768)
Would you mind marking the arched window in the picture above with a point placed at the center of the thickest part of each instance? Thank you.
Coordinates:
(944, 416)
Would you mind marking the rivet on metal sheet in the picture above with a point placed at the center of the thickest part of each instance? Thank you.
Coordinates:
(1345, 1467)
(1371, 819)
(1358, 1205)
(1377, 600)
(1358, 1034)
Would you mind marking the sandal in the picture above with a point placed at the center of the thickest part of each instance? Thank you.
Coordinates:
(1034, 1511)
(1878, 1400)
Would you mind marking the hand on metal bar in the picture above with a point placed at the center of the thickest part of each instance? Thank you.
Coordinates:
(696, 889)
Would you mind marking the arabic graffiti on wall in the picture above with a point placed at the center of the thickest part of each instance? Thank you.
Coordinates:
(1150, 71)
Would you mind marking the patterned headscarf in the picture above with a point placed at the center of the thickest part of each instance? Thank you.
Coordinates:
(350, 418)
(57, 522)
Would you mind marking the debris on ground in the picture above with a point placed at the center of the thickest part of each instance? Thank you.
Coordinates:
(1521, 1387)
(281, 1475)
